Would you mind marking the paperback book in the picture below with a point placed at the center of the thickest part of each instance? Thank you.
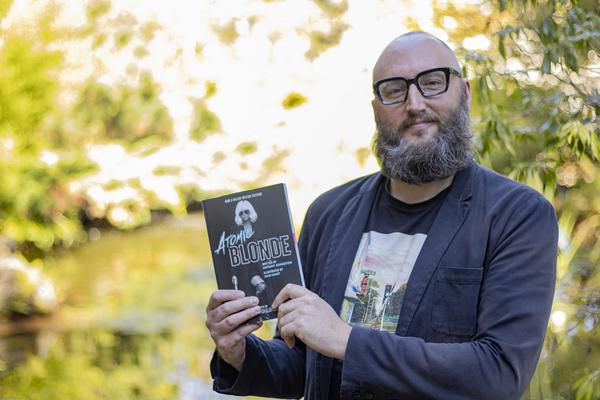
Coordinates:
(253, 245)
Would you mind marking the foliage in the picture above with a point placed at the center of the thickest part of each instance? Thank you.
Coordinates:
(35, 204)
(588, 386)
(226, 33)
(322, 41)
(247, 148)
(293, 100)
(130, 115)
(536, 105)
(49, 123)
(205, 122)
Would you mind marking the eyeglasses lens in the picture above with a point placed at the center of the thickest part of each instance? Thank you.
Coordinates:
(391, 91)
(433, 83)
(430, 84)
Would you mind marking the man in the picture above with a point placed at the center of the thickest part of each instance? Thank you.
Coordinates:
(433, 279)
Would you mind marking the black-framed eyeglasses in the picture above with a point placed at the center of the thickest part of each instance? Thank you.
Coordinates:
(431, 82)
(244, 212)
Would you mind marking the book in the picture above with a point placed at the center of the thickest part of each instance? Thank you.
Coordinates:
(253, 244)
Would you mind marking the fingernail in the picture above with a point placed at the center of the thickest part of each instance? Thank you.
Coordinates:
(241, 294)
(254, 300)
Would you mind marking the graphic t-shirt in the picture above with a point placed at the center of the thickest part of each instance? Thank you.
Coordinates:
(386, 255)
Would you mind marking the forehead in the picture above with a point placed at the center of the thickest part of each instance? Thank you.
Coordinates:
(408, 56)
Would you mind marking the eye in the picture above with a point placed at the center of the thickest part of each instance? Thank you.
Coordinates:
(392, 89)
(432, 82)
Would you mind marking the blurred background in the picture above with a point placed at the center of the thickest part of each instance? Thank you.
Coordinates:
(118, 117)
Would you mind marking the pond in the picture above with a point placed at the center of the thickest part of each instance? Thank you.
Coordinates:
(131, 321)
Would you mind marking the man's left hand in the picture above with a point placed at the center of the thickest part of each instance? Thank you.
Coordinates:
(310, 319)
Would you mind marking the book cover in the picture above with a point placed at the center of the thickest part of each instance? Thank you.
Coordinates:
(253, 245)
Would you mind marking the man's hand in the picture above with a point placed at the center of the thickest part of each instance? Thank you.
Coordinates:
(310, 319)
(225, 312)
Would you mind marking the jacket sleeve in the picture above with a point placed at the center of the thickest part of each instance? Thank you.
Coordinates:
(515, 301)
(270, 368)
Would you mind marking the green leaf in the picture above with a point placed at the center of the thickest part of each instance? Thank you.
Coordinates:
(246, 148)
(546, 64)
(293, 100)
(205, 122)
(4, 7)
(571, 60)
(501, 47)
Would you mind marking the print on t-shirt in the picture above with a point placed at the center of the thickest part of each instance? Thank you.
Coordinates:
(378, 278)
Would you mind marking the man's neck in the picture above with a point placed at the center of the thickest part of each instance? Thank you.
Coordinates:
(413, 194)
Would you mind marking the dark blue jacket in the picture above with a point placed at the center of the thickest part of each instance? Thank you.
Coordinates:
(474, 314)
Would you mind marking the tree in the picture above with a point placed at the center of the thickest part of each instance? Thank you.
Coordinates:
(536, 105)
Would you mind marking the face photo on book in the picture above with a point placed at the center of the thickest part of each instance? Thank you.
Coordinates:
(245, 216)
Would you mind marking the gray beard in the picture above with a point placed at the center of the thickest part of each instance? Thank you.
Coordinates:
(450, 150)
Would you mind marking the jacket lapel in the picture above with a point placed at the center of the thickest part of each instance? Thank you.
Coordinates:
(345, 241)
(448, 221)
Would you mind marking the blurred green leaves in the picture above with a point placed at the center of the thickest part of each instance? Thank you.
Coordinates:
(204, 123)
(333, 8)
(247, 148)
(588, 386)
(321, 41)
(43, 143)
(293, 100)
(52, 125)
(535, 107)
(4, 7)
(226, 32)
(28, 88)
(130, 115)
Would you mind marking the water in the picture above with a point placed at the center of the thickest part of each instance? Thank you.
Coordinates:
(130, 325)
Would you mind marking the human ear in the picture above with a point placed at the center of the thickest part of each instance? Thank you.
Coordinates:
(468, 90)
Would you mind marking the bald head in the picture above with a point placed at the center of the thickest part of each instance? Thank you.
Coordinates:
(414, 48)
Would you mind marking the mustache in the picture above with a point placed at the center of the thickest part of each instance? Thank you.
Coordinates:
(419, 118)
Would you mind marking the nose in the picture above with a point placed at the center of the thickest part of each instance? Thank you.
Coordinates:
(414, 100)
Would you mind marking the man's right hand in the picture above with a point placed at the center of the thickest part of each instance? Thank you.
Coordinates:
(226, 311)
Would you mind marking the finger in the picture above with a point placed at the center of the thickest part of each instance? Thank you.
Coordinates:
(287, 332)
(232, 307)
(232, 322)
(289, 306)
(290, 291)
(288, 318)
(220, 296)
(291, 342)
(233, 338)
(247, 329)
